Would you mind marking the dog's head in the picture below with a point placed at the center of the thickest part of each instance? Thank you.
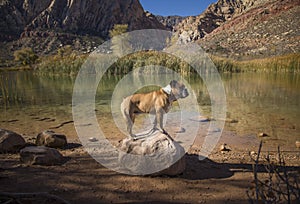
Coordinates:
(178, 89)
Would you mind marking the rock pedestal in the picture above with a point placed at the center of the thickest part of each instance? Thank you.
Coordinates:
(156, 154)
(10, 142)
(51, 139)
(41, 156)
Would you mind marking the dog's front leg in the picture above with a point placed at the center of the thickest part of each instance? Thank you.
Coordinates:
(154, 125)
(159, 120)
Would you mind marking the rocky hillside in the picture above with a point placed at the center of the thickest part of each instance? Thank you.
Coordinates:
(270, 29)
(52, 22)
(231, 28)
(196, 27)
(245, 28)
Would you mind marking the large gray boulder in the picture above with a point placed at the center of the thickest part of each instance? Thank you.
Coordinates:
(51, 139)
(157, 154)
(40, 155)
(10, 142)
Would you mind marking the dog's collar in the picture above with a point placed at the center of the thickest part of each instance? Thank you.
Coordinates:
(167, 89)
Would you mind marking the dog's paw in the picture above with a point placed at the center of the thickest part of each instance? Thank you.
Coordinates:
(153, 130)
(133, 136)
(164, 132)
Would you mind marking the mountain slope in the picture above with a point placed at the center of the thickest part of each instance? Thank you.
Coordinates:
(170, 22)
(245, 28)
(270, 29)
(196, 27)
(47, 25)
(93, 17)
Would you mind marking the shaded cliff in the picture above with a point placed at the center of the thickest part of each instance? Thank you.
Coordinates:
(170, 22)
(93, 17)
(47, 25)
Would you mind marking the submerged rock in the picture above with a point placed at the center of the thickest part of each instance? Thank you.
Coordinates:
(51, 139)
(10, 142)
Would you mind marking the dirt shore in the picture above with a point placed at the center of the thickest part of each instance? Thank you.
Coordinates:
(221, 178)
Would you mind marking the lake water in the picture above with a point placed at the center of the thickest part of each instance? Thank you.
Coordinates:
(256, 102)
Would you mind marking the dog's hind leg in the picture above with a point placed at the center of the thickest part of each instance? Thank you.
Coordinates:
(129, 117)
(130, 121)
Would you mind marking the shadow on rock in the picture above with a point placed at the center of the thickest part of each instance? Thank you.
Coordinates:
(71, 146)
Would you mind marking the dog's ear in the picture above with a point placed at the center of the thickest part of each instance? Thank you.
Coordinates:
(173, 83)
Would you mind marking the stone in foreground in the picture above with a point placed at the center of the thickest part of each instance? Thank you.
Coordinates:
(51, 139)
(41, 156)
(10, 142)
(156, 154)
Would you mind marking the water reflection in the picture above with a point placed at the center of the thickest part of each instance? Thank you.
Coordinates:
(259, 102)
(265, 103)
(26, 89)
(273, 92)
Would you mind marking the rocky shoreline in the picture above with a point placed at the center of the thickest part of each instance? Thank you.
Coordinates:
(225, 176)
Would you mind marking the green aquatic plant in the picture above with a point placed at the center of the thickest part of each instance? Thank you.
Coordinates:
(55, 65)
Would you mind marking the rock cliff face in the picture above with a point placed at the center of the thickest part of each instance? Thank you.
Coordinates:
(170, 22)
(196, 27)
(93, 17)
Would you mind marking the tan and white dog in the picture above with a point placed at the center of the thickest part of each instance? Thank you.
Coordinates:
(157, 102)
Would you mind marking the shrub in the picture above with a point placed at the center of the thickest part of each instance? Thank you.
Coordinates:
(281, 184)
(25, 56)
